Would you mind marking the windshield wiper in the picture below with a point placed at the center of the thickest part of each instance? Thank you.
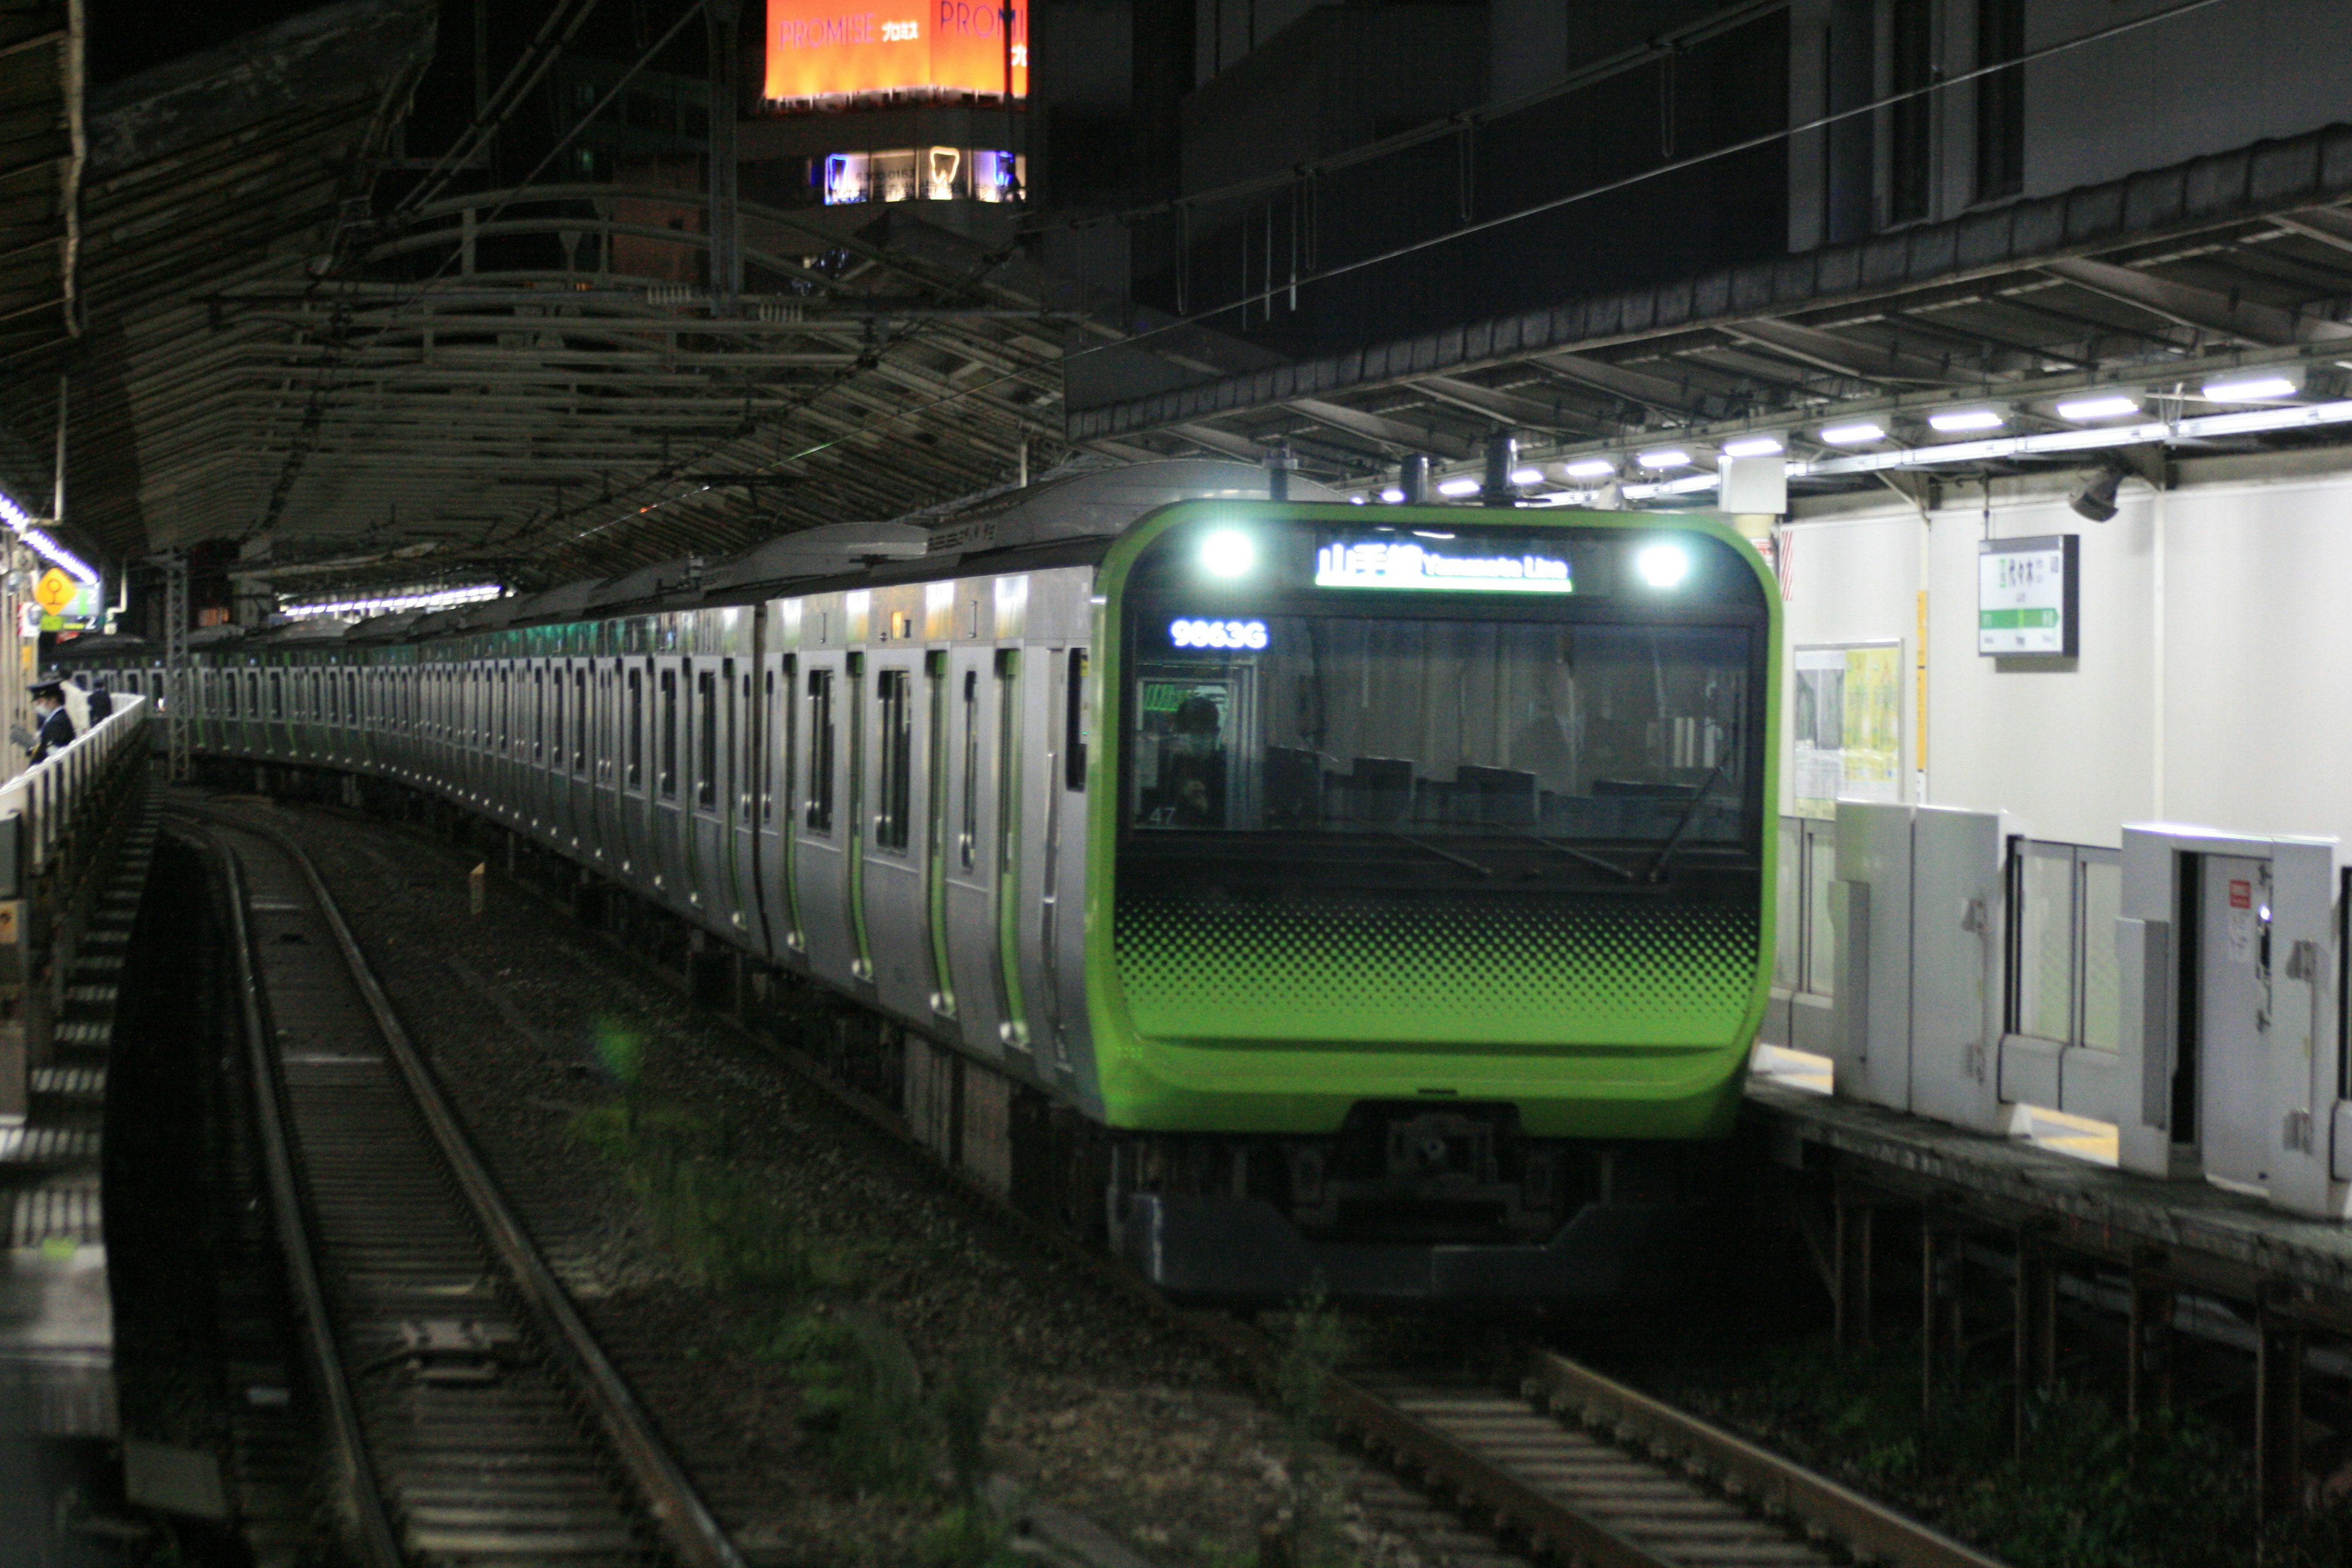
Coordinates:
(1681, 824)
(1387, 832)
(1573, 853)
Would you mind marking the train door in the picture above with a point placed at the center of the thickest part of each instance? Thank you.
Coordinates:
(969, 730)
(1065, 915)
(741, 745)
(772, 786)
(896, 920)
(637, 771)
(579, 792)
(668, 722)
(822, 818)
(706, 818)
(555, 772)
(603, 764)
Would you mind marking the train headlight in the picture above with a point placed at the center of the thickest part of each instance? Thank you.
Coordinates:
(1228, 552)
(1663, 565)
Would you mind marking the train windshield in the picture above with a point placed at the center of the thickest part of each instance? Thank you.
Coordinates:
(1440, 731)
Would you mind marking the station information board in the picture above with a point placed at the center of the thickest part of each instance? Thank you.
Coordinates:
(831, 49)
(2029, 597)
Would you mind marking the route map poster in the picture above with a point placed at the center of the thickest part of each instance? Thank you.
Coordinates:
(1847, 723)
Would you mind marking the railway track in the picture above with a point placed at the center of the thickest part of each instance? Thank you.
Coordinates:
(1571, 1467)
(470, 1416)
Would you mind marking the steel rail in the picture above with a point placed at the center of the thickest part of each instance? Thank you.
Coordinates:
(1869, 1529)
(1513, 1505)
(685, 1520)
(362, 1498)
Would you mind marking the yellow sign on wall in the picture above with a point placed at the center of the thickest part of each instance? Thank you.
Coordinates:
(56, 590)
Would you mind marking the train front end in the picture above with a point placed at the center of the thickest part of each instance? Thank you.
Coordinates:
(1430, 890)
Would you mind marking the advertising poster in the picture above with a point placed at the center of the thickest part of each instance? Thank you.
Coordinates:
(821, 49)
(1847, 723)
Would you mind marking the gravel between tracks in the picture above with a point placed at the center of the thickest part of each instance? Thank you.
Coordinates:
(1103, 1410)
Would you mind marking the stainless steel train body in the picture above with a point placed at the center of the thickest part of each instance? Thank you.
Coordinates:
(862, 757)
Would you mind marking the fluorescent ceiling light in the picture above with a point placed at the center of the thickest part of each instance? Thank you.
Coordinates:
(1462, 486)
(432, 599)
(1590, 468)
(2251, 387)
(59, 555)
(1392, 495)
(1527, 476)
(1664, 458)
(1752, 446)
(2246, 422)
(1956, 420)
(1355, 501)
(1859, 434)
(2098, 405)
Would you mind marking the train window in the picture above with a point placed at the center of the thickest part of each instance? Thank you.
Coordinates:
(555, 724)
(1074, 723)
(735, 738)
(893, 691)
(351, 694)
(669, 735)
(634, 763)
(278, 694)
(539, 717)
(706, 740)
(580, 721)
(968, 840)
(820, 772)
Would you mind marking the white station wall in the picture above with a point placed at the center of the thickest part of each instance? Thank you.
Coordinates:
(2214, 685)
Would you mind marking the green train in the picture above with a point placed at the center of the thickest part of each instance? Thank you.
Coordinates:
(1298, 893)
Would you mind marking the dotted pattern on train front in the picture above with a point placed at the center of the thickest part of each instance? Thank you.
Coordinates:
(1336, 966)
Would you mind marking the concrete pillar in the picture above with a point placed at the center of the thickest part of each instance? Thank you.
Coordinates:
(1941, 1258)
(2148, 1377)
(1853, 1228)
(2278, 1417)
(2036, 1325)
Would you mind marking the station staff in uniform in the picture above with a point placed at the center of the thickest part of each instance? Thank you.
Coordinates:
(56, 729)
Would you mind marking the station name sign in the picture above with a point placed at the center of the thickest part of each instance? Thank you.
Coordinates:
(1431, 564)
(820, 49)
(2029, 597)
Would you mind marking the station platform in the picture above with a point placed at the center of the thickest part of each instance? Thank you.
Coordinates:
(2057, 1183)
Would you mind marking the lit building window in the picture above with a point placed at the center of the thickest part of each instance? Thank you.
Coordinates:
(921, 174)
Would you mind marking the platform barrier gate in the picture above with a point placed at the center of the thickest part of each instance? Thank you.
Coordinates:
(2183, 989)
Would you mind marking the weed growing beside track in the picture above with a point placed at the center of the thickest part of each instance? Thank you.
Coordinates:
(2084, 1492)
(865, 1405)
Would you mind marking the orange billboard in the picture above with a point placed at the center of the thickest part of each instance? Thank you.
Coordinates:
(816, 48)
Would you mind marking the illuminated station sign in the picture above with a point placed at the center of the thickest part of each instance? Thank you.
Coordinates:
(819, 52)
(1444, 566)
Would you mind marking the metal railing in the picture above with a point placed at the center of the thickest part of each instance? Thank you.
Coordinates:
(61, 822)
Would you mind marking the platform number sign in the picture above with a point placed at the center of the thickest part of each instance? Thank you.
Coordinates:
(2029, 597)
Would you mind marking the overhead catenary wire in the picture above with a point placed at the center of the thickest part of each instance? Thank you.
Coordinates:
(537, 59)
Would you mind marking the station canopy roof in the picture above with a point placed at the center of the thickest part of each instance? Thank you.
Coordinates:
(529, 384)
(267, 345)
(2173, 289)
